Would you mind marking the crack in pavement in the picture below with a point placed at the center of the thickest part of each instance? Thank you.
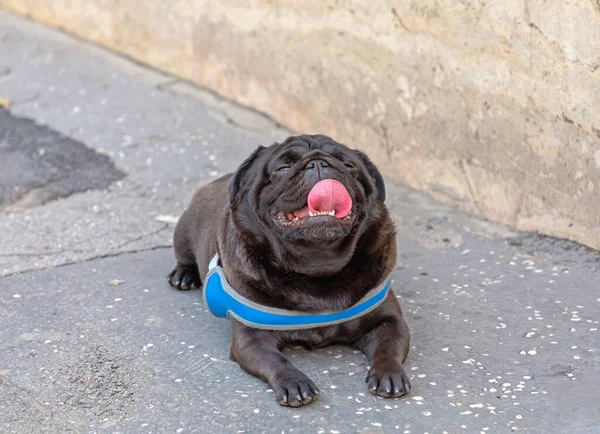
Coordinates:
(141, 237)
(60, 252)
(93, 258)
(113, 255)
(165, 85)
(225, 111)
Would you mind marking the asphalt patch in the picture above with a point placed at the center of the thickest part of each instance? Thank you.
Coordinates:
(38, 165)
(97, 382)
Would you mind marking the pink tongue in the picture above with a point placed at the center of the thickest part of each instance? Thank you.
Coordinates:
(330, 195)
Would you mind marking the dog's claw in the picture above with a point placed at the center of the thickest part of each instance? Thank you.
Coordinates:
(390, 382)
(296, 391)
(184, 277)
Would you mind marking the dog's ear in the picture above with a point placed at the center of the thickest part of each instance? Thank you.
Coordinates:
(375, 174)
(236, 182)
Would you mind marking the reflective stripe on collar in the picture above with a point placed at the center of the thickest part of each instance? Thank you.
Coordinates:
(223, 301)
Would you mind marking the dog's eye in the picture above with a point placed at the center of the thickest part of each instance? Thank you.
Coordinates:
(350, 165)
(282, 169)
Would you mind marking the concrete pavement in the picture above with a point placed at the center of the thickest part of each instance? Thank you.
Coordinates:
(504, 325)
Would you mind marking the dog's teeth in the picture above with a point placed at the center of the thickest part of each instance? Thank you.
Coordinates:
(312, 214)
(295, 219)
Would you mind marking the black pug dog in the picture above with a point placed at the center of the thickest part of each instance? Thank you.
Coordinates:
(300, 226)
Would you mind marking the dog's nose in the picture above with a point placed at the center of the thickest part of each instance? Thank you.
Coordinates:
(316, 164)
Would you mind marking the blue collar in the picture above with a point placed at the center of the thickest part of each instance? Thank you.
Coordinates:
(225, 302)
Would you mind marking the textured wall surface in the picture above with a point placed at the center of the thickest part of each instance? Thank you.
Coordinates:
(493, 106)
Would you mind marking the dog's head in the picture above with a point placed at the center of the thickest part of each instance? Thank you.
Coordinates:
(307, 197)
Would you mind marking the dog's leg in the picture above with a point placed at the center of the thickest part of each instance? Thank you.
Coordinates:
(258, 353)
(386, 346)
(185, 275)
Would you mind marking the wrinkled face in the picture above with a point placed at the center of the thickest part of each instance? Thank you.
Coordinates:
(311, 189)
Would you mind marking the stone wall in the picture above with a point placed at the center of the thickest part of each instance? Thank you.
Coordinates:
(490, 105)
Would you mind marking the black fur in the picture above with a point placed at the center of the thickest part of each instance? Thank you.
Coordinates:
(313, 264)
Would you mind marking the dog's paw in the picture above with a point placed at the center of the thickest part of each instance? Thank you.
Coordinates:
(184, 277)
(388, 382)
(295, 390)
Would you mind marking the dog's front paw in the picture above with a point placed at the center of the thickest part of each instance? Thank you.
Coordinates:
(389, 381)
(295, 389)
(184, 277)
